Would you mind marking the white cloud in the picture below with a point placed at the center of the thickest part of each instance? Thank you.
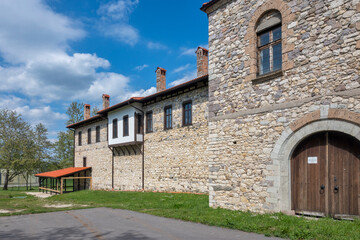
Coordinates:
(121, 32)
(191, 51)
(141, 67)
(181, 68)
(187, 51)
(53, 77)
(156, 46)
(114, 22)
(33, 115)
(187, 77)
(29, 29)
(140, 93)
(40, 115)
(36, 68)
(10, 101)
(110, 83)
(118, 10)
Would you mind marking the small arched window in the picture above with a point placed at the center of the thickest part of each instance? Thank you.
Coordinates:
(268, 32)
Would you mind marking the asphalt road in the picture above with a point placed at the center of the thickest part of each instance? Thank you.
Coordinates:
(105, 223)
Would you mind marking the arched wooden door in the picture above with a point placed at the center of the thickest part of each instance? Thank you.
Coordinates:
(325, 180)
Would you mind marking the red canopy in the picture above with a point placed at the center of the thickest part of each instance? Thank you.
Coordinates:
(62, 172)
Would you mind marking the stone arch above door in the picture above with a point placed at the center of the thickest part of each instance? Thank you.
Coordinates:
(325, 119)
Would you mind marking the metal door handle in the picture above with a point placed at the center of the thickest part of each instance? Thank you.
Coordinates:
(322, 189)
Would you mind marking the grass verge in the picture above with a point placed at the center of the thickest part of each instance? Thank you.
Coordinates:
(194, 208)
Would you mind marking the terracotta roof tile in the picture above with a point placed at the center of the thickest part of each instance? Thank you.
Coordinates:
(84, 121)
(208, 4)
(62, 172)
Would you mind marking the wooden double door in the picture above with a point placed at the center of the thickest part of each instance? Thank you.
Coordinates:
(325, 169)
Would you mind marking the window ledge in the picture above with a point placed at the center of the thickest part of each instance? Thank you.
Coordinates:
(268, 76)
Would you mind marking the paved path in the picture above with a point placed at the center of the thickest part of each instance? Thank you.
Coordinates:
(105, 223)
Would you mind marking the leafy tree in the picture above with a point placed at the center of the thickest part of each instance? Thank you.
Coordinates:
(64, 146)
(15, 144)
(94, 111)
(75, 113)
(39, 152)
(64, 150)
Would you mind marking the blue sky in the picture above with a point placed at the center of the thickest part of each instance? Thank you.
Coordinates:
(53, 52)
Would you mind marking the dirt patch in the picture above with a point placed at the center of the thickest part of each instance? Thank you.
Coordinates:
(58, 205)
(39, 194)
(9, 210)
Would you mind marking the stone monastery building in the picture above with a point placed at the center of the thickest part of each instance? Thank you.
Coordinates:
(272, 123)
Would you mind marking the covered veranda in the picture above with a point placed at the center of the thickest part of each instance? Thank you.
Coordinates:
(65, 180)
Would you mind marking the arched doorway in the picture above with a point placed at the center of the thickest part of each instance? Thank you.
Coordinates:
(325, 175)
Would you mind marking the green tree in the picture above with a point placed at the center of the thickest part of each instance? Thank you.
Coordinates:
(63, 156)
(64, 150)
(94, 111)
(15, 144)
(75, 113)
(39, 152)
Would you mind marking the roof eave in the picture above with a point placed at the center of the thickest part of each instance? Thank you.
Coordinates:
(119, 105)
(206, 6)
(86, 121)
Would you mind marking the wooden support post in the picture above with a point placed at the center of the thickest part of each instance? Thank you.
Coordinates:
(65, 185)
(78, 183)
(61, 186)
(46, 184)
(57, 184)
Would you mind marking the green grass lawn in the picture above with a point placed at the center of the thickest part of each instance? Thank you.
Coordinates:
(191, 207)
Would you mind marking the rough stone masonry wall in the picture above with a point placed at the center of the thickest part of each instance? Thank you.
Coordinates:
(127, 169)
(321, 49)
(98, 155)
(176, 159)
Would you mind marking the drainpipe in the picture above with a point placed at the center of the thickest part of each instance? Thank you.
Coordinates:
(143, 148)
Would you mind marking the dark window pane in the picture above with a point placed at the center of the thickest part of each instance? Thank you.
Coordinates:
(139, 124)
(187, 114)
(168, 117)
(89, 136)
(98, 134)
(277, 57)
(149, 123)
(264, 38)
(276, 33)
(115, 128)
(79, 138)
(126, 126)
(264, 61)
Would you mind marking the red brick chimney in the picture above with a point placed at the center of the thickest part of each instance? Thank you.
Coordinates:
(202, 55)
(106, 101)
(86, 111)
(160, 79)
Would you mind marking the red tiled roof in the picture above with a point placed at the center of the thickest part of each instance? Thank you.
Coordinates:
(174, 88)
(142, 99)
(84, 121)
(202, 49)
(160, 69)
(208, 4)
(62, 172)
(133, 99)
